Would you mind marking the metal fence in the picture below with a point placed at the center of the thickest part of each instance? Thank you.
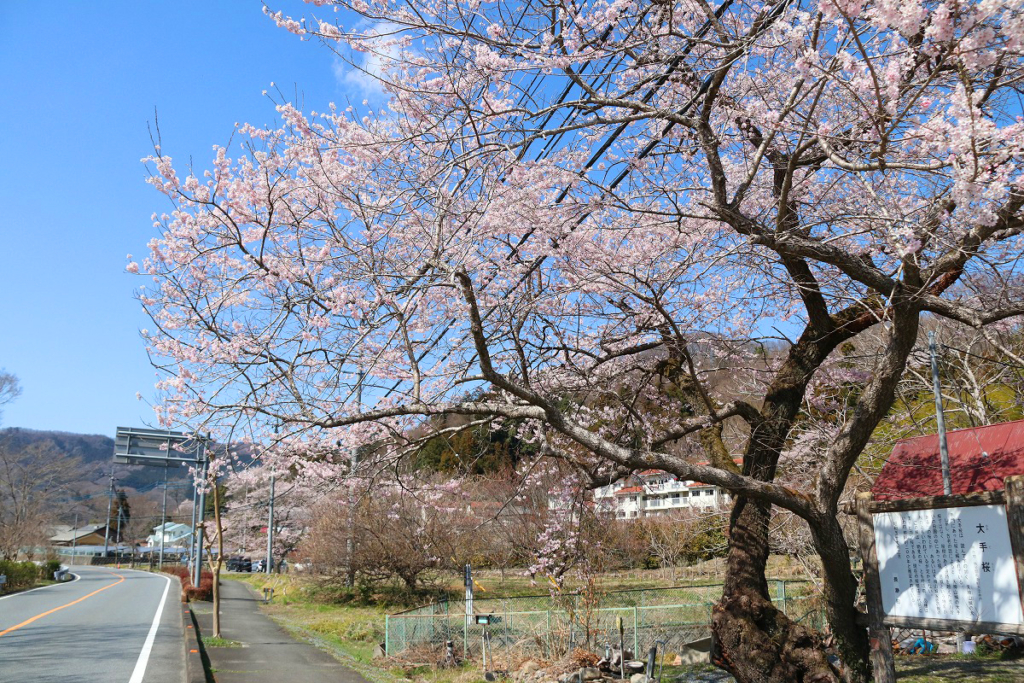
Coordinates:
(549, 626)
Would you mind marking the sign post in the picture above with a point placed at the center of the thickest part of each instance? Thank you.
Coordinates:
(882, 664)
(942, 563)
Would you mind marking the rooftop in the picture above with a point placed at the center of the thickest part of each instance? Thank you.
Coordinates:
(979, 459)
(66, 534)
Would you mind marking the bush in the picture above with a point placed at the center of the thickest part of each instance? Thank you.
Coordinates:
(20, 575)
(189, 592)
(47, 569)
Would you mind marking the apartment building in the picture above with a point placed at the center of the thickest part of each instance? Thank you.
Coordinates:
(653, 493)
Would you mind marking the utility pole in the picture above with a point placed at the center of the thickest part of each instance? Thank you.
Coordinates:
(270, 528)
(202, 521)
(120, 509)
(163, 522)
(74, 539)
(940, 419)
(467, 578)
(270, 510)
(110, 503)
(192, 536)
(940, 426)
(350, 543)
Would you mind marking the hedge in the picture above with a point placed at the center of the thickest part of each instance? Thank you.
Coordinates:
(190, 592)
(21, 575)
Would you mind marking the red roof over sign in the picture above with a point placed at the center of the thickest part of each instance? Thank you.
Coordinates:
(979, 459)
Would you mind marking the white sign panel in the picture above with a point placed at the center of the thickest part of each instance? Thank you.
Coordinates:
(949, 563)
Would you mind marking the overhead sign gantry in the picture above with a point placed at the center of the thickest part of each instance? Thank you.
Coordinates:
(165, 448)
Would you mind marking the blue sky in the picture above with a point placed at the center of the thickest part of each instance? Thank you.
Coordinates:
(80, 81)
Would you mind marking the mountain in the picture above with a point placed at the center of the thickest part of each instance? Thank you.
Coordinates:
(94, 453)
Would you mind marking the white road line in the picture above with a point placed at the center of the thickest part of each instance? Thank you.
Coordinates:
(140, 666)
(52, 585)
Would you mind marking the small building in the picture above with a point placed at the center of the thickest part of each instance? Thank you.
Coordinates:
(172, 534)
(90, 534)
(654, 493)
(980, 458)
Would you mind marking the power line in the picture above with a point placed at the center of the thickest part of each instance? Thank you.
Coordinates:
(673, 65)
(1015, 366)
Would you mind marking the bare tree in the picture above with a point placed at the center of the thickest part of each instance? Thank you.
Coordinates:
(33, 495)
(9, 388)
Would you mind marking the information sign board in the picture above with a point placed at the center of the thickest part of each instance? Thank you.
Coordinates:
(952, 563)
(161, 448)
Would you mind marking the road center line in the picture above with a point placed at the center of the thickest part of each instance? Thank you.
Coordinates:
(147, 647)
(57, 609)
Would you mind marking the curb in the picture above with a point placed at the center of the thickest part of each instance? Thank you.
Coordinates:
(195, 672)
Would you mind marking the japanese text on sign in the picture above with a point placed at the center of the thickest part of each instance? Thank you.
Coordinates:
(948, 563)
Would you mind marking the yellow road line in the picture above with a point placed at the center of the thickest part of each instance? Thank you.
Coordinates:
(57, 609)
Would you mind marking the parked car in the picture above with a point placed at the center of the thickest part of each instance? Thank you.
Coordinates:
(239, 564)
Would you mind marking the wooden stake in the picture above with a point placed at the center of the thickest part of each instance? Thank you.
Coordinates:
(882, 663)
(1015, 524)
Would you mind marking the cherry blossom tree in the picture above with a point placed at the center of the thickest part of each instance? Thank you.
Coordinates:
(246, 515)
(576, 217)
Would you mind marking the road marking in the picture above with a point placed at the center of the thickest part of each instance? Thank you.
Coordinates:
(52, 585)
(57, 609)
(147, 647)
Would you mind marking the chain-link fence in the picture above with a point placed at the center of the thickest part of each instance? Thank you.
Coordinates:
(549, 626)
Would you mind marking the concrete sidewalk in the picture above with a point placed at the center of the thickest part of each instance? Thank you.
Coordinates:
(268, 654)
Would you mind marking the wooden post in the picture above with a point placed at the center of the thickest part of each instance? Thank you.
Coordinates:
(882, 663)
(1015, 524)
(636, 633)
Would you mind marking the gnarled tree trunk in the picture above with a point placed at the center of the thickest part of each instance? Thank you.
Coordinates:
(755, 641)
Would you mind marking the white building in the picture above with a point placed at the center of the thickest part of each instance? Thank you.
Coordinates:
(173, 534)
(653, 493)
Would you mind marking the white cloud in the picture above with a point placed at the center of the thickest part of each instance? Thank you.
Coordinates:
(363, 70)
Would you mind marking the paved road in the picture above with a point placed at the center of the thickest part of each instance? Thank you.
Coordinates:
(100, 628)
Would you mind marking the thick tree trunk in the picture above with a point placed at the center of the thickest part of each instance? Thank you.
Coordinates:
(755, 641)
(851, 639)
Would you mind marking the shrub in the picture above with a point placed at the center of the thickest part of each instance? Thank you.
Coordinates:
(47, 569)
(19, 575)
(189, 592)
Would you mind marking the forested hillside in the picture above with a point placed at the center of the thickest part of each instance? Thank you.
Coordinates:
(94, 453)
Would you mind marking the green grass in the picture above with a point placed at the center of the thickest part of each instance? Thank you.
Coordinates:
(216, 641)
(349, 631)
(340, 622)
(349, 624)
(989, 668)
(355, 629)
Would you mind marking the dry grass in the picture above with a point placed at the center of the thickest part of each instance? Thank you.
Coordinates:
(351, 631)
